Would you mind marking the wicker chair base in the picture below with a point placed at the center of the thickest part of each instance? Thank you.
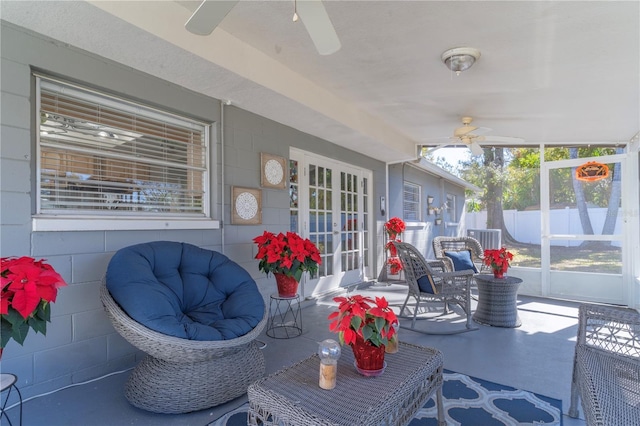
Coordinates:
(177, 387)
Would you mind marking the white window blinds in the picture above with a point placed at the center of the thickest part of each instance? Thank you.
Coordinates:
(411, 202)
(103, 155)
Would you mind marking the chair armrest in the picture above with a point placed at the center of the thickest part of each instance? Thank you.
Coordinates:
(450, 282)
(610, 328)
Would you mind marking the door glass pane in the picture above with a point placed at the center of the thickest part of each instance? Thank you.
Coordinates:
(349, 222)
(320, 216)
(293, 196)
(312, 175)
(327, 255)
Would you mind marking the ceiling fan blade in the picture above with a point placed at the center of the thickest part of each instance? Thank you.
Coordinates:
(316, 20)
(482, 130)
(428, 149)
(500, 139)
(475, 147)
(461, 131)
(208, 16)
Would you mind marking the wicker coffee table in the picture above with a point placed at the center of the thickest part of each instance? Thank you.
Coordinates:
(497, 301)
(292, 395)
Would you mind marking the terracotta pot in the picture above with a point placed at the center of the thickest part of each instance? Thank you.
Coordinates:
(287, 286)
(368, 356)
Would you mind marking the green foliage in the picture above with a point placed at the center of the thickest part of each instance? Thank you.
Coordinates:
(521, 179)
(13, 327)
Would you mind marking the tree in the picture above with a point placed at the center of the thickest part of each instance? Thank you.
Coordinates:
(510, 179)
(581, 203)
(494, 169)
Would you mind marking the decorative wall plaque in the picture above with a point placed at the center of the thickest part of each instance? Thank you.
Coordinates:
(273, 171)
(246, 208)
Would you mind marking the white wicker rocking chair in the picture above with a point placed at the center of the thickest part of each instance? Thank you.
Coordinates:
(450, 287)
(442, 244)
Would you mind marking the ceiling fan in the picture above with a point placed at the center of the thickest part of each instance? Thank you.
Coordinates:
(312, 13)
(471, 136)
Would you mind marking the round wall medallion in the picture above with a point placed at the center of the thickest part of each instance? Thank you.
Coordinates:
(274, 172)
(246, 205)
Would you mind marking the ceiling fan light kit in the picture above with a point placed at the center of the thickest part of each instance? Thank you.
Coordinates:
(459, 59)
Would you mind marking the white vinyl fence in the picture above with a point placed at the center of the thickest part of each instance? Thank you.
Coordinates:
(524, 226)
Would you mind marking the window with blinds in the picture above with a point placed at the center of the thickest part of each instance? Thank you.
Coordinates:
(101, 155)
(411, 201)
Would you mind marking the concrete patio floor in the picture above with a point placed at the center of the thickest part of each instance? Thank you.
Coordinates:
(537, 357)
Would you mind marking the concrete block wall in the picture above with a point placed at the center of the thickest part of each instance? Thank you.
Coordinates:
(80, 343)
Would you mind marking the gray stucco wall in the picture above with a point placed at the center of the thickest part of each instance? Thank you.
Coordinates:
(80, 343)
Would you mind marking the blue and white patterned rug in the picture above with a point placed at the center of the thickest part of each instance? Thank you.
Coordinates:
(468, 402)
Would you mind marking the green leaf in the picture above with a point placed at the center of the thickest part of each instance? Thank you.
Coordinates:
(5, 332)
(380, 322)
(20, 333)
(367, 333)
(38, 325)
(43, 312)
(14, 317)
(356, 322)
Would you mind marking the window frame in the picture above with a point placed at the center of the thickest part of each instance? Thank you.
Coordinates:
(113, 220)
(451, 207)
(418, 211)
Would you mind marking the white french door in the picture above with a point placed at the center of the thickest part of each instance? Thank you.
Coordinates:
(332, 210)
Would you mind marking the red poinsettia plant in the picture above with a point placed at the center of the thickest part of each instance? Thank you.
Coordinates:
(498, 259)
(395, 266)
(361, 316)
(394, 227)
(287, 254)
(28, 286)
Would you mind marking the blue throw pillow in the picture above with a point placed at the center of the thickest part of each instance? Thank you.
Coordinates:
(426, 285)
(461, 260)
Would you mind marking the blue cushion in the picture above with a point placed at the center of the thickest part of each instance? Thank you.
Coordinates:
(185, 291)
(426, 285)
(461, 260)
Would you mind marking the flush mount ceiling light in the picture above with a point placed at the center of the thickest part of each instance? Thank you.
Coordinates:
(460, 58)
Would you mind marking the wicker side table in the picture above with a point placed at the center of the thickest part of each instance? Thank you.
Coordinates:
(497, 301)
(292, 396)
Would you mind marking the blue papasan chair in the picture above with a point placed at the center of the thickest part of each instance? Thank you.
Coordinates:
(196, 314)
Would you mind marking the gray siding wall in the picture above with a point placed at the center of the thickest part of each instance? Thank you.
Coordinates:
(80, 343)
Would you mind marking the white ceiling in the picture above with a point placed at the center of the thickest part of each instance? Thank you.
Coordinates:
(553, 72)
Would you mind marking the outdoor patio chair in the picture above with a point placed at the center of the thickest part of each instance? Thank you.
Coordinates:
(429, 281)
(452, 251)
(196, 314)
(606, 366)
